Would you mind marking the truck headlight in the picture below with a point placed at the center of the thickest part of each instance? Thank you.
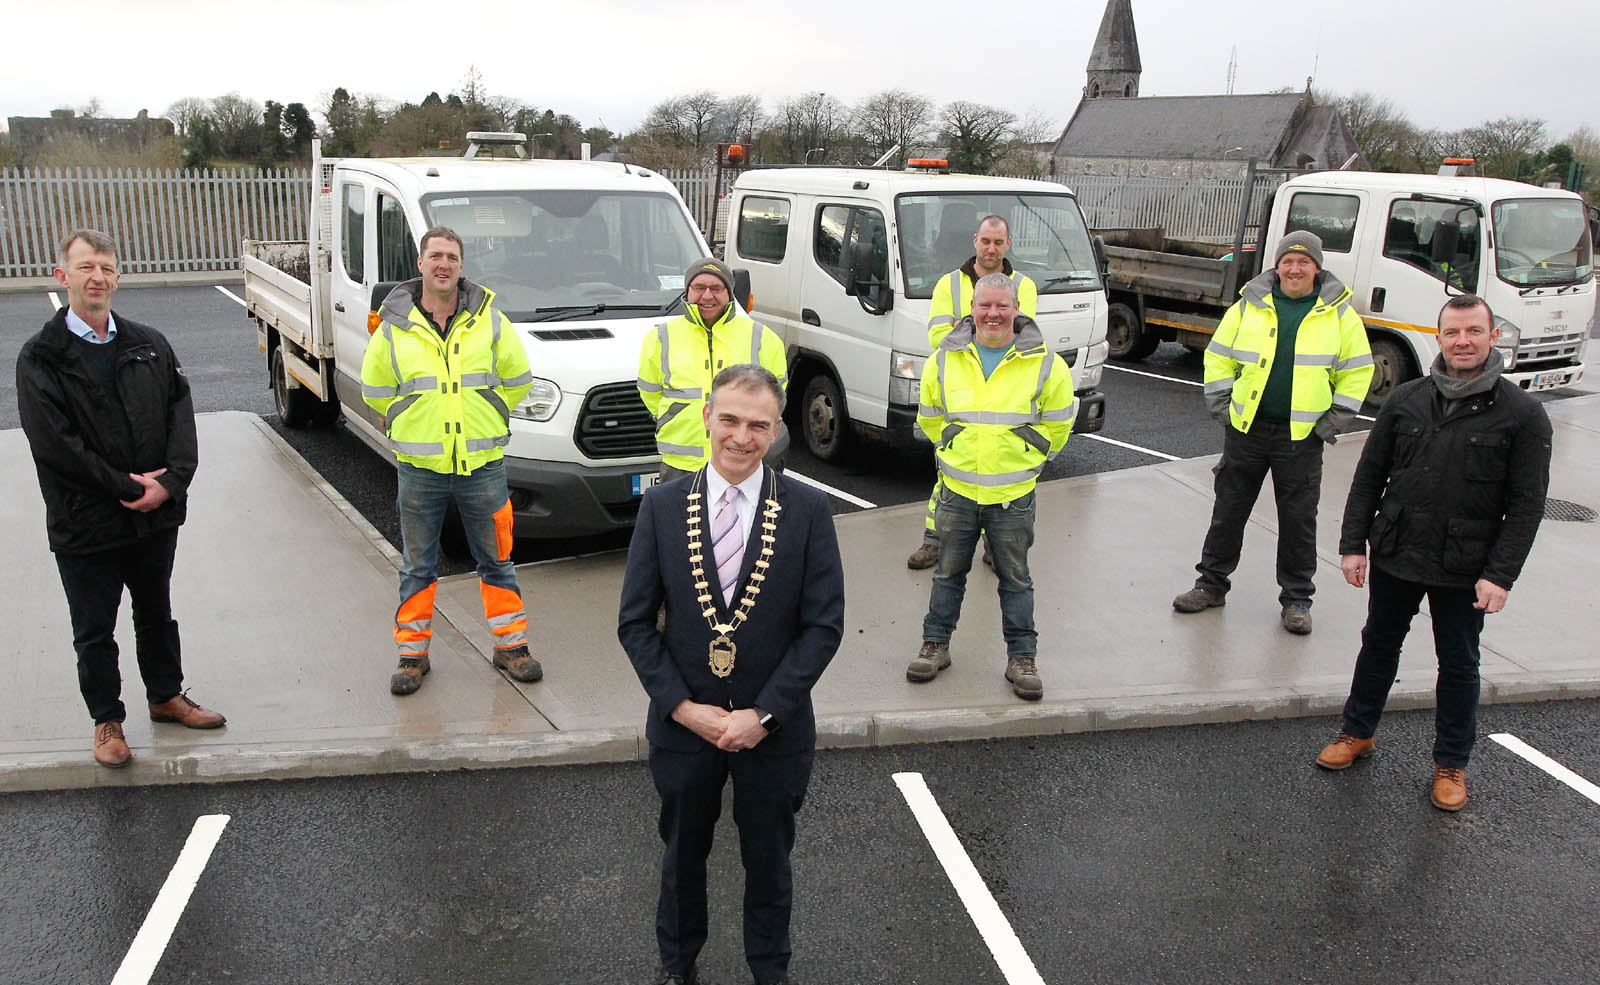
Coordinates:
(541, 402)
(905, 378)
(1508, 341)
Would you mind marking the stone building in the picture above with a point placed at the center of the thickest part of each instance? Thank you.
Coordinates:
(31, 133)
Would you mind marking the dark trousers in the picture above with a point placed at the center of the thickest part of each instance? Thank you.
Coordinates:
(94, 583)
(1296, 468)
(767, 793)
(1391, 602)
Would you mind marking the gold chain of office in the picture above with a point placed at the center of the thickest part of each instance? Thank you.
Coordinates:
(723, 651)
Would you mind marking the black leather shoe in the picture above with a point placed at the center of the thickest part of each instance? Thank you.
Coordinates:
(665, 977)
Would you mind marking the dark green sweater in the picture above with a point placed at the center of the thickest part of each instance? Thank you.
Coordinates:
(1279, 393)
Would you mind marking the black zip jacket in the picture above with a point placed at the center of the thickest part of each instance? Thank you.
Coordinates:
(1448, 495)
(86, 438)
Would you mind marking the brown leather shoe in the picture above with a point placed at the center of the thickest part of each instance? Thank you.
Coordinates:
(1343, 751)
(110, 748)
(408, 676)
(179, 710)
(1449, 788)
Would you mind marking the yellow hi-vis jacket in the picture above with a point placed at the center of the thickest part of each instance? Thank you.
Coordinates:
(446, 401)
(1332, 360)
(952, 298)
(995, 435)
(677, 363)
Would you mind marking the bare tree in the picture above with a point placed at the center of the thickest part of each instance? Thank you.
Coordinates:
(739, 118)
(812, 127)
(1381, 131)
(185, 111)
(663, 125)
(91, 109)
(472, 90)
(1585, 144)
(975, 134)
(1500, 144)
(238, 122)
(892, 117)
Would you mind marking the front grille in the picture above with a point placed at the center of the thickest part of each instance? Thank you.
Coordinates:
(1552, 349)
(614, 423)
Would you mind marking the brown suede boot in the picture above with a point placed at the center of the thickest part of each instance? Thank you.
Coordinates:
(408, 676)
(110, 748)
(519, 663)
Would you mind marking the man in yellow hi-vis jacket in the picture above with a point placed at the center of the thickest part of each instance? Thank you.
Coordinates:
(445, 368)
(952, 301)
(1288, 365)
(997, 405)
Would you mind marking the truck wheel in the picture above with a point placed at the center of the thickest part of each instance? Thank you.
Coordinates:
(1391, 367)
(295, 403)
(826, 426)
(1127, 337)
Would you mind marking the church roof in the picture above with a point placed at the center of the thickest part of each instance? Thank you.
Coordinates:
(1200, 127)
(1116, 47)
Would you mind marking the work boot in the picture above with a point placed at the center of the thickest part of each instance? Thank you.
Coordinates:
(925, 556)
(1449, 788)
(408, 676)
(1024, 677)
(110, 748)
(519, 663)
(1199, 600)
(932, 658)
(179, 710)
(1296, 618)
(1343, 751)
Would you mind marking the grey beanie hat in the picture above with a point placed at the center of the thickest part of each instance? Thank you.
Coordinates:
(709, 265)
(1299, 242)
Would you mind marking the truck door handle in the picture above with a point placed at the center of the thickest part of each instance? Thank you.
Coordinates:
(810, 317)
(338, 306)
(1378, 295)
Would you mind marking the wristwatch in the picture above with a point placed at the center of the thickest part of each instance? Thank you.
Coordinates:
(766, 719)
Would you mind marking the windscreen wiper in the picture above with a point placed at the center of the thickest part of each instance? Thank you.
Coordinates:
(568, 312)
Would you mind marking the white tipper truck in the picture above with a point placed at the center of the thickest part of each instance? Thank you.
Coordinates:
(584, 257)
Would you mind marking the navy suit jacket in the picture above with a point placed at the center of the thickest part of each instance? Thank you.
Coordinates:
(783, 647)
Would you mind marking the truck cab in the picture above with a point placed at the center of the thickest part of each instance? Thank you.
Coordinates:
(843, 262)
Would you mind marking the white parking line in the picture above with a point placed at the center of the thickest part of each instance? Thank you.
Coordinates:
(230, 294)
(1549, 765)
(1015, 965)
(1124, 444)
(1174, 379)
(151, 941)
(55, 301)
(840, 493)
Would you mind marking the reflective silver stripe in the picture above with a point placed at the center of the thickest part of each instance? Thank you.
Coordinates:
(643, 384)
(479, 379)
(1033, 438)
(419, 447)
(400, 406)
(394, 360)
(494, 351)
(1314, 359)
(991, 417)
(674, 394)
(938, 320)
(413, 648)
(501, 622)
(414, 626)
(523, 380)
(693, 451)
(955, 292)
(417, 385)
(949, 434)
(939, 358)
(492, 398)
(1217, 386)
(758, 332)
(978, 479)
(1305, 416)
(671, 412)
(666, 359)
(1347, 402)
(1238, 408)
(929, 410)
(379, 392)
(1238, 355)
(1066, 413)
(1046, 364)
(484, 444)
(1354, 362)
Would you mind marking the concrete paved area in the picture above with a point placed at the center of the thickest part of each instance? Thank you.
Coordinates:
(285, 596)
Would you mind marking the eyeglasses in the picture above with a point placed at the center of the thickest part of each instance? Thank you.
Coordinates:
(696, 290)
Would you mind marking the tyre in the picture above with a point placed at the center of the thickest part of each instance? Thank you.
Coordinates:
(1391, 367)
(295, 403)
(823, 419)
(1126, 335)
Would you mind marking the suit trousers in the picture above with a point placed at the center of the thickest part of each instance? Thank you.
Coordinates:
(93, 584)
(1457, 624)
(1296, 468)
(767, 793)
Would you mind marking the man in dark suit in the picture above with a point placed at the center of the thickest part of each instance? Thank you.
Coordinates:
(747, 565)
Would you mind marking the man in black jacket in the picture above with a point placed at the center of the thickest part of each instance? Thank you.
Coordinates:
(747, 564)
(1449, 492)
(106, 410)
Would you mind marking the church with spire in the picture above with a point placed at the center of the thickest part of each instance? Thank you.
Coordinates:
(1116, 131)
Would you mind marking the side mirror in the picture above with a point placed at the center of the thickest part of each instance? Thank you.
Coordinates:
(876, 296)
(381, 291)
(1594, 234)
(741, 288)
(1446, 242)
(1100, 257)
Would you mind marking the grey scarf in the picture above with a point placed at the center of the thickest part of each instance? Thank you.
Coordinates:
(1452, 388)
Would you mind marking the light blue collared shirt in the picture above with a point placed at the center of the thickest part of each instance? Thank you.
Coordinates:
(750, 490)
(83, 330)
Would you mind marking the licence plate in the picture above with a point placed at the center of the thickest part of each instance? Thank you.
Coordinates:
(644, 481)
(1544, 381)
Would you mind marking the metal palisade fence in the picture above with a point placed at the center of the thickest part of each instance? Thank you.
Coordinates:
(162, 219)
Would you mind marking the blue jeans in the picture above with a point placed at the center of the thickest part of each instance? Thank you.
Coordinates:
(1010, 531)
(425, 497)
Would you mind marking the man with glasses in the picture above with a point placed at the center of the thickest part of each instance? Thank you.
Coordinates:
(678, 361)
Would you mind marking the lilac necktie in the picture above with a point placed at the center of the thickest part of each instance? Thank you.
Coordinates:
(727, 542)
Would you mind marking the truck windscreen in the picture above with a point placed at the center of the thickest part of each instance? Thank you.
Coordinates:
(1049, 241)
(566, 254)
(1541, 242)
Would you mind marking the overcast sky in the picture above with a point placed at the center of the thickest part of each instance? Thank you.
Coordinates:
(607, 61)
